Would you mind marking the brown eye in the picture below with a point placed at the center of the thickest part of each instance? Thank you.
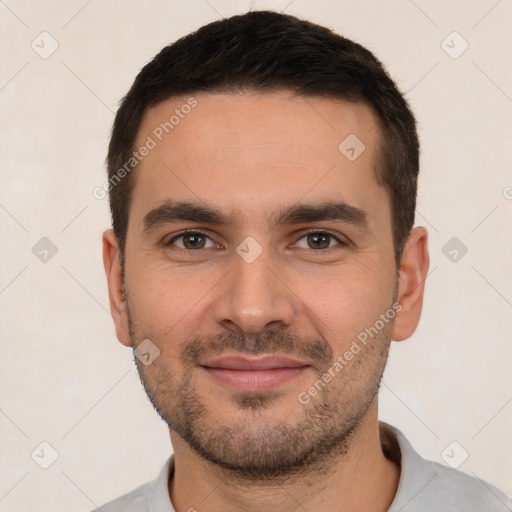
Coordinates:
(191, 240)
(319, 240)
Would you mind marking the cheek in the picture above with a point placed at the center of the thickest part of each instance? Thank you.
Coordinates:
(166, 306)
(340, 306)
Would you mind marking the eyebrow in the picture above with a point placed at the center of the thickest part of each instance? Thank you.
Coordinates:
(175, 211)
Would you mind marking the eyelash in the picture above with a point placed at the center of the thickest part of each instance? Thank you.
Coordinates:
(341, 243)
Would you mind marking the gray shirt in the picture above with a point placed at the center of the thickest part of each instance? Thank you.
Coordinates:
(424, 486)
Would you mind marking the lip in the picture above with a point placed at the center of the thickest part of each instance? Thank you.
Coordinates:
(265, 362)
(253, 374)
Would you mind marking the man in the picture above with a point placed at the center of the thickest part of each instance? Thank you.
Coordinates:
(262, 181)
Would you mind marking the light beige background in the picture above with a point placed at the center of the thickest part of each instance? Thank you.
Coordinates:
(64, 378)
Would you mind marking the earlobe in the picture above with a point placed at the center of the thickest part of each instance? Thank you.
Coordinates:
(411, 284)
(112, 264)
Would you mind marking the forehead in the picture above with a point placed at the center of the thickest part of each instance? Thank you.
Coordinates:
(247, 149)
(255, 115)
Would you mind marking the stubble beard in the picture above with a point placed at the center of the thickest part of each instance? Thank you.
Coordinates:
(256, 451)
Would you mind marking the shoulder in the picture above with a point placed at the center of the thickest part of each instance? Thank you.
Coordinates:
(461, 491)
(427, 486)
(133, 501)
(151, 496)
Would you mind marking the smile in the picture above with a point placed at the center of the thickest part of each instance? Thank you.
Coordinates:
(250, 374)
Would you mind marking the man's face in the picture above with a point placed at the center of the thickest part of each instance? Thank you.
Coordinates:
(254, 305)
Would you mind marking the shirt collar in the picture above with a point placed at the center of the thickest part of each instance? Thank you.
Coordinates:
(415, 472)
(158, 499)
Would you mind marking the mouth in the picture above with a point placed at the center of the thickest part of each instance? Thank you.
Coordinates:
(254, 373)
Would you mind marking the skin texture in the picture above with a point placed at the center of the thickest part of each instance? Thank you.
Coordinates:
(251, 156)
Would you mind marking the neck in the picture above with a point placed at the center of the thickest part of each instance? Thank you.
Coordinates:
(361, 478)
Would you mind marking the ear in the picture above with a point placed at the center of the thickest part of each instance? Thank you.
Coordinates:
(112, 264)
(411, 284)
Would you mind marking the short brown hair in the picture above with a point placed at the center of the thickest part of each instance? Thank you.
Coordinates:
(267, 51)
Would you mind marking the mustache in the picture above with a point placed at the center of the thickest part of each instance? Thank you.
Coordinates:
(315, 350)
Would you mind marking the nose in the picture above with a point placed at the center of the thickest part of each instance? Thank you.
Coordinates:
(253, 296)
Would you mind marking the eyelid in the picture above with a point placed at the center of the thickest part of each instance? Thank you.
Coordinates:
(184, 232)
(342, 240)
